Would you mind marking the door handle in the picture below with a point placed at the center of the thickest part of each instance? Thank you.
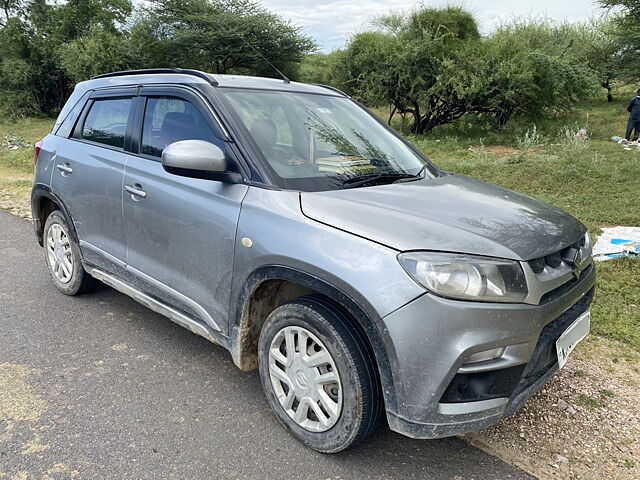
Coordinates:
(135, 190)
(64, 169)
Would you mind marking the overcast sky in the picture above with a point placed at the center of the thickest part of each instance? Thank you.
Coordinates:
(331, 21)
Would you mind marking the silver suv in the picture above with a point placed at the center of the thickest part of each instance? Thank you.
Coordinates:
(290, 225)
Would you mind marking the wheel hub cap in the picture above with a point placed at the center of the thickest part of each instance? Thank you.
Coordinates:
(59, 253)
(301, 380)
(305, 379)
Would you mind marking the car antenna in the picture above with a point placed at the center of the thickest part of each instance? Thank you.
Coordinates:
(241, 37)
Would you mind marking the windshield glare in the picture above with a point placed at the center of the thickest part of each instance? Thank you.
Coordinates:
(319, 142)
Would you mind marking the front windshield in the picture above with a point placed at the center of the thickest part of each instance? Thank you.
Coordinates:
(320, 142)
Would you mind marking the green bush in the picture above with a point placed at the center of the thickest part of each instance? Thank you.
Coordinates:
(46, 47)
(432, 66)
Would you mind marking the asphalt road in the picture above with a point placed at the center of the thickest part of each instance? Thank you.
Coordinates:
(99, 387)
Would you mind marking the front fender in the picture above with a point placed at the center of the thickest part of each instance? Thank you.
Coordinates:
(360, 310)
(275, 240)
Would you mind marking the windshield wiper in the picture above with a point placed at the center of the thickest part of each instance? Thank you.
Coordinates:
(360, 180)
(413, 177)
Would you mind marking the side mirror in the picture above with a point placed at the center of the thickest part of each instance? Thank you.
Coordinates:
(198, 159)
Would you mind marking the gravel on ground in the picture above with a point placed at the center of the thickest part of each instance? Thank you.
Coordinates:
(584, 424)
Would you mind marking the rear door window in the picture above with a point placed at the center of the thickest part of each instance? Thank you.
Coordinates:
(168, 120)
(106, 121)
(65, 129)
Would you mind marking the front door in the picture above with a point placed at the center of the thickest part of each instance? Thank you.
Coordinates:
(180, 231)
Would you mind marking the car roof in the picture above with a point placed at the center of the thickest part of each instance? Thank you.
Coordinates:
(187, 76)
(178, 76)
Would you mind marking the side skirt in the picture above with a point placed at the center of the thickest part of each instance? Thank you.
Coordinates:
(155, 305)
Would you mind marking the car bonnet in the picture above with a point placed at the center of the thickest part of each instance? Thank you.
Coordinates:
(450, 214)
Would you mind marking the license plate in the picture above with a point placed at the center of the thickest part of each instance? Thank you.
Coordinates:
(572, 336)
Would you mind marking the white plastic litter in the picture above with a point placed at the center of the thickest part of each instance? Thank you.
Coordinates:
(582, 134)
(626, 144)
(617, 242)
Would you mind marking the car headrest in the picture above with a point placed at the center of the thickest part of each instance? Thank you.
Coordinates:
(177, 126)
(264, 132)
(174, 119)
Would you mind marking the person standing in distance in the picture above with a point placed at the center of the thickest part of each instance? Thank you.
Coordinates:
(633, 125)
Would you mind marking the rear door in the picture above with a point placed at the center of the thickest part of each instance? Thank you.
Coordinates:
(88, 173)
(180, 231)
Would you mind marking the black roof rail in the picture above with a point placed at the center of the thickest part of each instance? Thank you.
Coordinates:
(330, 88)
(184, 71)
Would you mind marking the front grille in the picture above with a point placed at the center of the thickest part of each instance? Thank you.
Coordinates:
(552, 275)
(554, 260)
(564, 288)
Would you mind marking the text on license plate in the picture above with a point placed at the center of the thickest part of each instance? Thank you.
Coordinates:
(572, 336)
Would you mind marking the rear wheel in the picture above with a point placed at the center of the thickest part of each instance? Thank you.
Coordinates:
(63, 257)
(318, 375)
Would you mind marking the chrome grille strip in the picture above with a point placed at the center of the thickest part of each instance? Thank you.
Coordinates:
(574, 259)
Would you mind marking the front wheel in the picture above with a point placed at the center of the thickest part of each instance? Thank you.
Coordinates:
(63, 257)
(318, 375)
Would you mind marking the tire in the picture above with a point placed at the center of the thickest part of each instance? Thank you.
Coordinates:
(63, 257)
(356, 405)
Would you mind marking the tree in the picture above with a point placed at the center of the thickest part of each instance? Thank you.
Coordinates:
(630, 7)
(97, 52)
(434, 66)
(623, 29)
(369, 68)
(32, 76)
(224, 36)
(600, 51)
(400, 64)
(45, 47)
(556, 56)
(588, 44)
(9, 9)
(323, 68)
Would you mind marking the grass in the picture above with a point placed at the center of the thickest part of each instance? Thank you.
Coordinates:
(589, 402)
(530, 139)
(595, 180)
(607, 393)
(16, 166)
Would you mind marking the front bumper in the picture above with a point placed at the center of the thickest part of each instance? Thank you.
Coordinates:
(430, 339)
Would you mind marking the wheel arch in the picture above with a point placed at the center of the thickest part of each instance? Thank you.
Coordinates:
(270, 286)
(42, 202)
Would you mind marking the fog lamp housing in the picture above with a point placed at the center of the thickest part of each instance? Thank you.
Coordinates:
(485, 355)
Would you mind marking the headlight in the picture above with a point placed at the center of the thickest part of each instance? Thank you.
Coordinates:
(467, 277)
